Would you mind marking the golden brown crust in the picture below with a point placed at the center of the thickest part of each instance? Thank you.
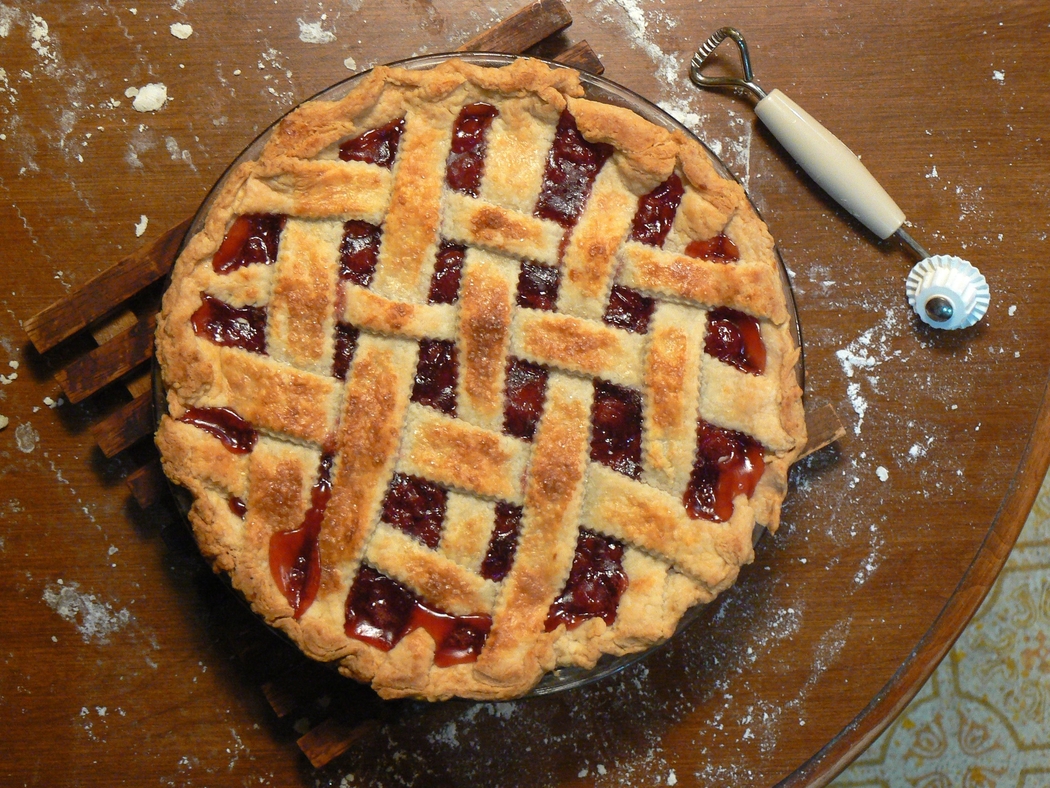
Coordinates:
(361, 430)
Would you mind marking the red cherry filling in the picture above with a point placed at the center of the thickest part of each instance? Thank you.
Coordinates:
(252, 238)
(718, 249)
(538, 286)
(526, 388)
(345, 345)
(444, 287)
(628, 309)
(230, 326)
(656, 212)
(728, 464)
(572, 165)
(466, 158)
(503, 543)
(378, 146)
(616, 439)
(435, 383)
(236, 434)
(237, 506)
(295, 561)
(596, 583)
(359, 251)
(417, 507)
(380, 611)
(735, 338)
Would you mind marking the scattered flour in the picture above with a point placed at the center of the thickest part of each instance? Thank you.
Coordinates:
(313, 33)
(149, 98)
(94, 620)
(140, 227)
(26, 437)
(4, 421)
(350, 63)
(999, 76)
(38, 30)
(882, 473)
(8, 16)
(181, 30)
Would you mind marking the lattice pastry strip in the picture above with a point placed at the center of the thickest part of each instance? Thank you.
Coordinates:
(410, 227)
(553, 497)
(671, 387)
(318, 190)
(487, 295)
(590, 260)
(474, 350)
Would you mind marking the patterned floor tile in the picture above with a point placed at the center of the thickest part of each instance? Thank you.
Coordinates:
(983, 718)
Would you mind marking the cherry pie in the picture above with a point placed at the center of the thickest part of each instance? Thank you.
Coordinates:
(471, 377)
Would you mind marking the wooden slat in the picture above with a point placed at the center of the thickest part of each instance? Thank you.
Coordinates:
(581, 57)
(108, 362)
(522, 30)
(332, 738)
(823, 428)
(121, 429)
(148, 484)
(106, 291)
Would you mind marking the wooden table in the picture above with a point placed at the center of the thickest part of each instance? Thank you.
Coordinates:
(125, 661)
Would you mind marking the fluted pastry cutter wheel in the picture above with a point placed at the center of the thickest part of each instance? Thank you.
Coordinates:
(945, 291)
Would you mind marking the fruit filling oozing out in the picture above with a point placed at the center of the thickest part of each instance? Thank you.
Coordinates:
(466, 157)
(251, 239)
(346, 337)
(728, 464)
(237, 506)
(380, 611)
(295, 560)
(736, 339)
(616, 435)
(538, 286)
(236, 434)
(359, 251)
(526, 388)
(572, 165)
(435, 381)
(596, 582)
(230, 326)
(656, 212)
(417, 507)
(628, 309)
(503, 543)
(377, 146)
(444, 287)
(719, 249)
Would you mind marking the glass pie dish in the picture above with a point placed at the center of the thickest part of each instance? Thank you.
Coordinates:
(598, 90)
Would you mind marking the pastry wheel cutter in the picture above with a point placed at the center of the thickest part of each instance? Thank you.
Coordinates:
(945, 291)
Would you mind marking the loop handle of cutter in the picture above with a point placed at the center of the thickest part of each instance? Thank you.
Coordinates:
(704, 52)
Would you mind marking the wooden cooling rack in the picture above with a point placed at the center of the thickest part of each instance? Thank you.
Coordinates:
(118, 309)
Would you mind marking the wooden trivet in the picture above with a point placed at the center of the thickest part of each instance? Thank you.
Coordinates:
(118, 310)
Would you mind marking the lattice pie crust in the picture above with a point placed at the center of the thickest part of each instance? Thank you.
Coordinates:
(345, 425)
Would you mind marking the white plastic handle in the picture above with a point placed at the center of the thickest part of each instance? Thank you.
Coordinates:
(830, 163)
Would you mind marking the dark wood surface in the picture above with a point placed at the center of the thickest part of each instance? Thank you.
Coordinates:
(126, 661)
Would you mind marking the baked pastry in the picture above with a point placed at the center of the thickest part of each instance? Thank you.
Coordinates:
(471, 377)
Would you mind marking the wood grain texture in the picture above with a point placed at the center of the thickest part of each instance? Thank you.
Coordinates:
(107, 363)
(125, 426)
(581, 56)
(148, 484)
(106, 291)
(522, 29)
(891, 535)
